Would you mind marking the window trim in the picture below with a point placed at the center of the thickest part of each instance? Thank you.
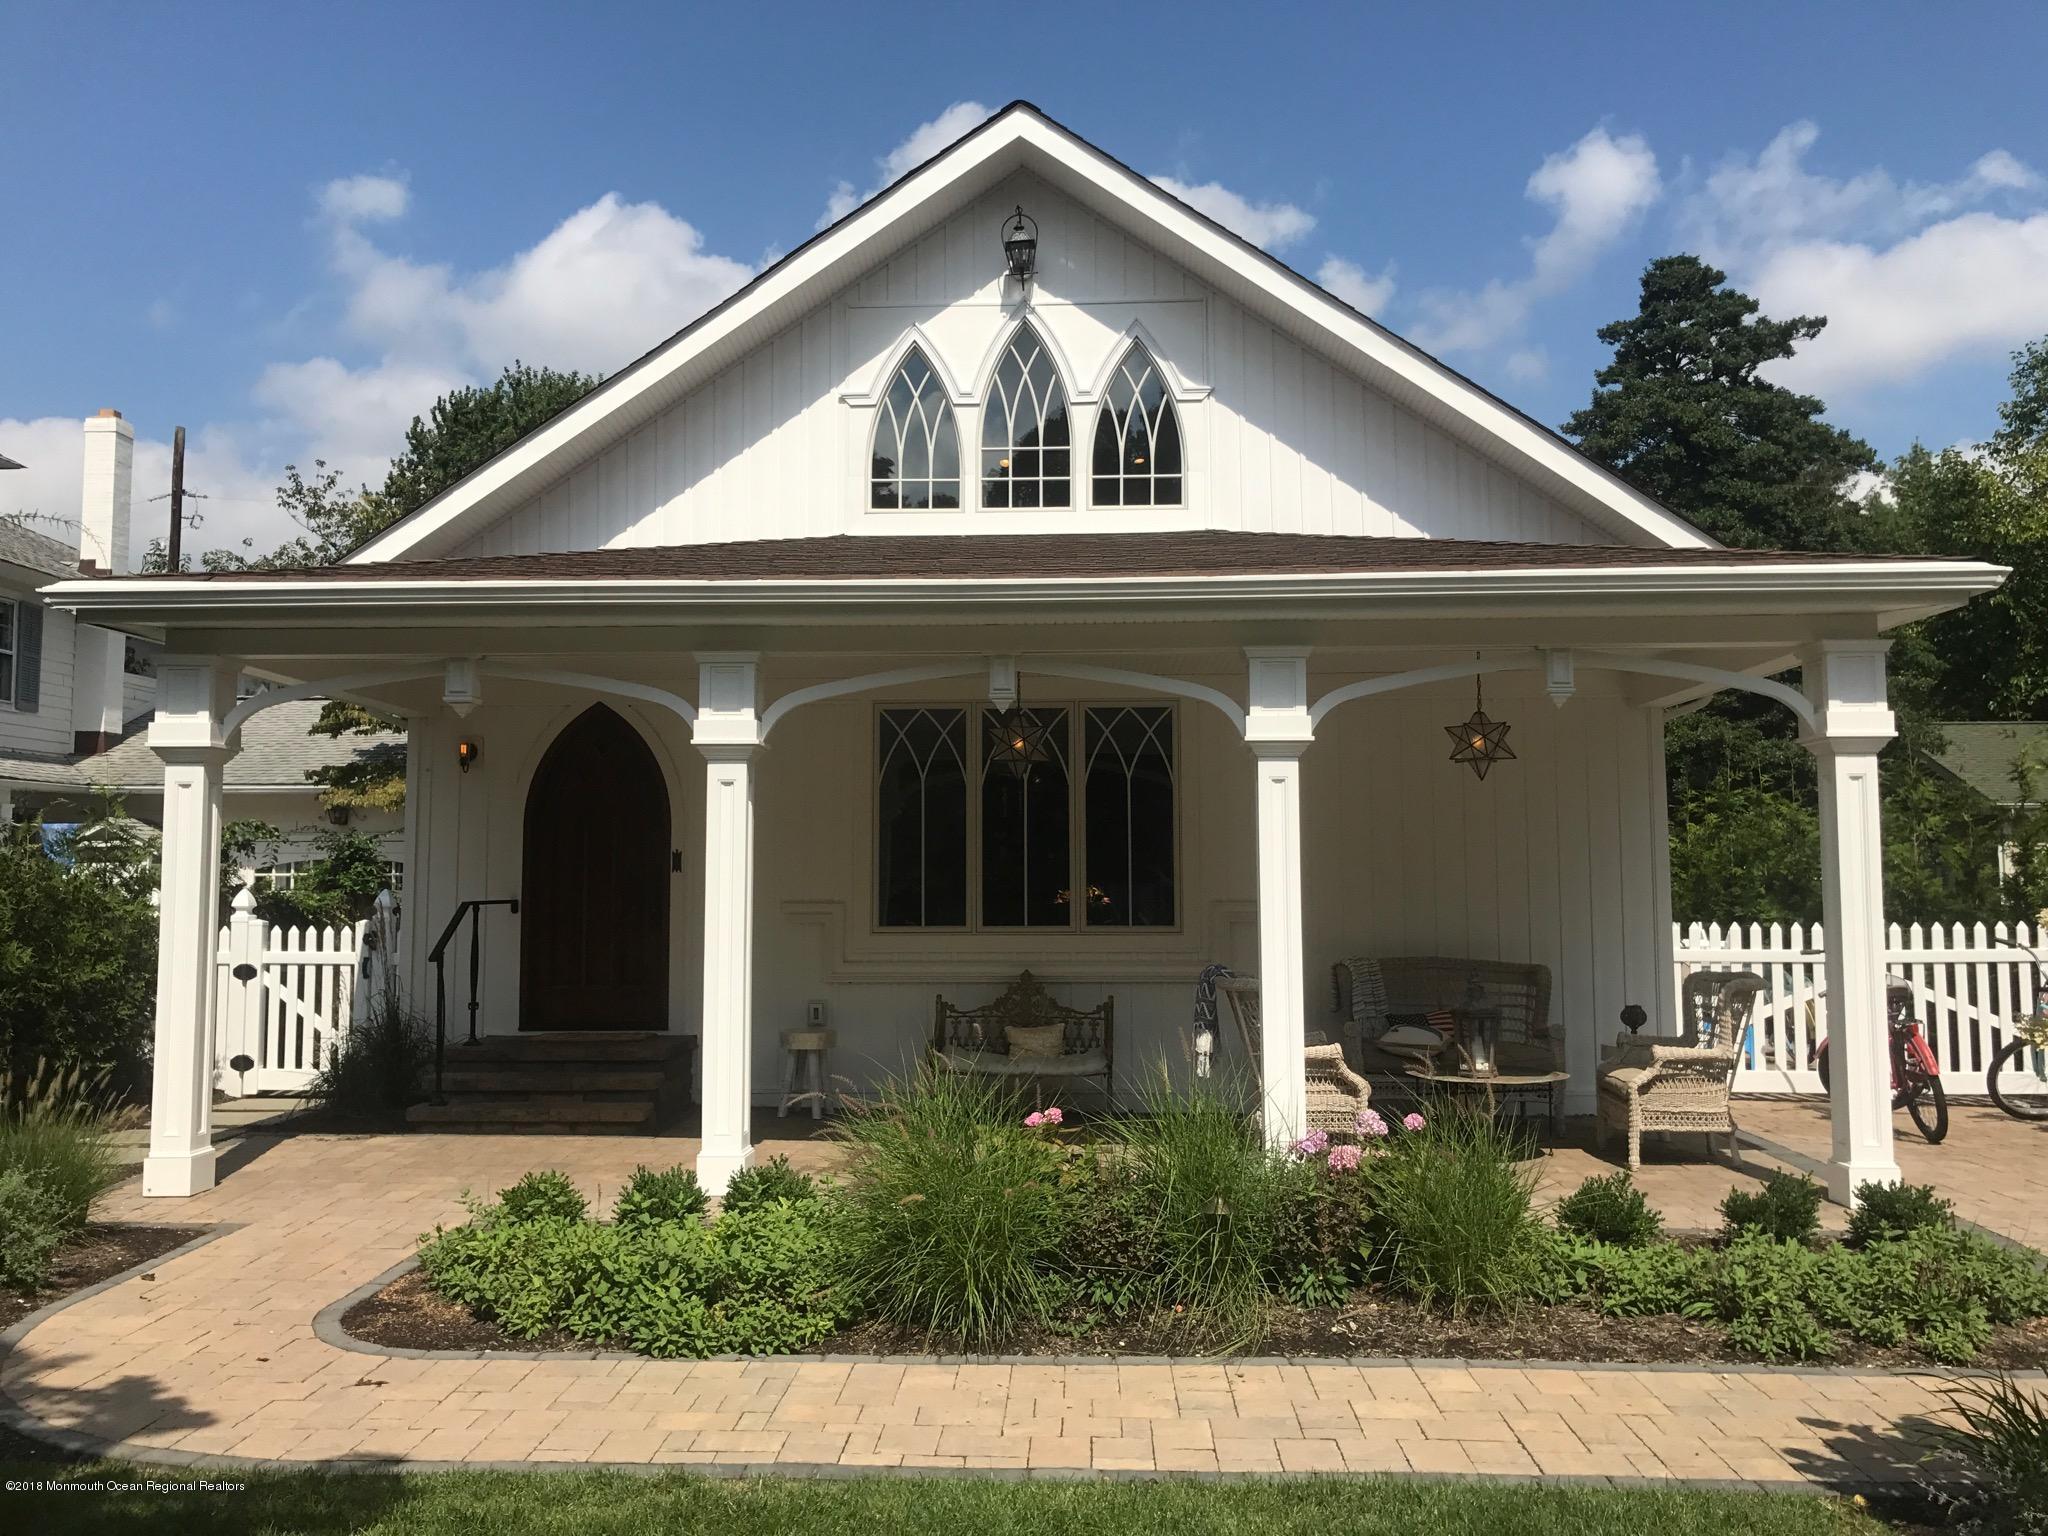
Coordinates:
(11, 649)
(985, 402)
(1131, 342)
(878, 406)
(1077, 818)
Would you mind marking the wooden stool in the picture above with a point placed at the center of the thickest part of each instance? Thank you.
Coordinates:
(807, 1048)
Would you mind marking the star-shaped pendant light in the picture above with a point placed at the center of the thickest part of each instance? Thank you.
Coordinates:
(1017, 738)
(1479, 742)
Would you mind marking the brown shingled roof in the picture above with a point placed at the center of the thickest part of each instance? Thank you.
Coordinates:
(1009, 556)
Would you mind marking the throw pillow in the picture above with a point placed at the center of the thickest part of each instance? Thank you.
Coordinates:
(1036, 1042)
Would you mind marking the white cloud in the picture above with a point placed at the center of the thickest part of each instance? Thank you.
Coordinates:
(1597, 189)
(925, 140)
(356, 199)
(1270, 226)
(1530, 365)
(1909, 274)
(1355, 286)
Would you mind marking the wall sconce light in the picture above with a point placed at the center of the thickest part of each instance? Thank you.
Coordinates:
(1020, 245)
(467, 751)
(338, 815)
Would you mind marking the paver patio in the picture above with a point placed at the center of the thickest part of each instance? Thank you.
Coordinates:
(213, 1354)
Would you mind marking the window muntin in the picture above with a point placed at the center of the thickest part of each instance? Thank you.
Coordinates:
(284, 876)
(1128, 816)
(915, 464)
(1027, 853)
(921, 819)
(1004, 856)
(7, 645)
(1137, 458)
(1026, 439)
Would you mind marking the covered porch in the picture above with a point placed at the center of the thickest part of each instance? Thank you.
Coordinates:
(696, 791)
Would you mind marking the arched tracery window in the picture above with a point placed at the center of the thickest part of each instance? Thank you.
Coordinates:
(1026, 442)
(916, 460)
(1137, 437)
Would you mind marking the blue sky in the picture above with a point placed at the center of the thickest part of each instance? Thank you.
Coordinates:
(289, 228)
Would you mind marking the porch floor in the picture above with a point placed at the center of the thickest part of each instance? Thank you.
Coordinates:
(215, 1353)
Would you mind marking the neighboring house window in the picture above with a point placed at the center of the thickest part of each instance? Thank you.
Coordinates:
(282, 877)
(921, 819)
(1137, 437)
(21, 654)
(1017, 857)
(916, 459)
(1026, 443)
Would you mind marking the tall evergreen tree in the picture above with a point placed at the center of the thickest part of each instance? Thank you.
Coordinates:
(1682, 412)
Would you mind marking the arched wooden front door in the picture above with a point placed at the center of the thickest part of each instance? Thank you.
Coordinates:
(593, 927)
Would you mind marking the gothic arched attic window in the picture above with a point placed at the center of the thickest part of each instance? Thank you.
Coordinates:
(1137, 437)
(916, 462)
(1026, 443)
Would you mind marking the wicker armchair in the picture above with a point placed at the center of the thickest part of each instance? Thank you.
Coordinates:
(1516, 993)
(1335, 1093)
(1685, 1086)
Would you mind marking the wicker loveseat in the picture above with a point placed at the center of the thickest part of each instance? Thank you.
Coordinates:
(978, 1041)
(1416, 986)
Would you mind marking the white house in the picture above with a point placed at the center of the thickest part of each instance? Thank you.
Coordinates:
(703, 668)
(74, 695)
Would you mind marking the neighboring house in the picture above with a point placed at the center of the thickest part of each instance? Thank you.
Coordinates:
(73, 695)
(1104, 602)
(1996, 758)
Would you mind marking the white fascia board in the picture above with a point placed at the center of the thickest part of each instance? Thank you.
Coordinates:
(1378, 352)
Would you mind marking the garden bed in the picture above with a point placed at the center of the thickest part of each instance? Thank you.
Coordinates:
(408, 1314)
(100, 1252)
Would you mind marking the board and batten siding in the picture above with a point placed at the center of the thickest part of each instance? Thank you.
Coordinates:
(1554, 858)
(1278, 438)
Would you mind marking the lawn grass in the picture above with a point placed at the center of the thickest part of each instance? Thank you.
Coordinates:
(580, 1503)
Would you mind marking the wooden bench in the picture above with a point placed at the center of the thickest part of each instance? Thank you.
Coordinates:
(979, 1041)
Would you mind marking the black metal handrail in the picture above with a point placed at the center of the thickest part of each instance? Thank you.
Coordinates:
(470, 910)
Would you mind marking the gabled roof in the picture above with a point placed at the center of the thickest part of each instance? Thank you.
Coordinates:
(21, 545)
(1020, 137)
(1988, 754)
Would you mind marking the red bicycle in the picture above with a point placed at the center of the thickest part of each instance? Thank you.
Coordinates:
(1916, 1075)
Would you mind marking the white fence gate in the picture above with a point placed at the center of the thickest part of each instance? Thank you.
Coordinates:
(1969, 983)
(284, 997)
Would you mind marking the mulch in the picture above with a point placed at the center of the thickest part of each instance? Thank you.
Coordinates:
(408, 1314)
(98, 1253)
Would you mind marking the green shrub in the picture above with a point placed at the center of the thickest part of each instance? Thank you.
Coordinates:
(1212, 1189)
(1991, 1467)
(1610, 1209)
(542, 1196)
(949, 1210)
(1893, 1210)
(754, 1282)
(55, 1130)
(650, 1198)
(1646, 1281)
(379, 1067)
(33, 1226)
(1110, 1263)
(1762, 1287)
(1786, 1208)
(1322, 1233)
(1453, 1213)
(766, 1183)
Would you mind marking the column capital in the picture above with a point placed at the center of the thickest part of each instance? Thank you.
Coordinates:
(1844, 680)
(194, 695)
(1276, 710)
(728, 704)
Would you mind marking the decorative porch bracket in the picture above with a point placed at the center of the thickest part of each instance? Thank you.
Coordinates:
(728, 731)
(195, 696)
(1278, 729)
(1845, 683)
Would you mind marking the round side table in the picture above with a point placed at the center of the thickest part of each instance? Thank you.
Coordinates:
(806, 1048)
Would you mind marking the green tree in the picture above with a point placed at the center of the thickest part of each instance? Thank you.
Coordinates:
(1682, 413)
(468, 427)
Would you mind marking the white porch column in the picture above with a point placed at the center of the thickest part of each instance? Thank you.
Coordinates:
(1278, 731)
(728, 733)
(1845, 679)
(193, 697)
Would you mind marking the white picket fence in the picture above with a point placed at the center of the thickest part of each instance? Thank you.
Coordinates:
(1970, 983)
(284, 997)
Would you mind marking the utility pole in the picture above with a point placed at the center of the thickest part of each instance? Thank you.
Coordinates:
(177, 498)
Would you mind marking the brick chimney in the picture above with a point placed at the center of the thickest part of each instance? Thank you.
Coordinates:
(103, 509)
(97, 676)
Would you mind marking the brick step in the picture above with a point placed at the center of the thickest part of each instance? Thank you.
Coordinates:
(517, 1077)
(584, 1046)
(550, 1111)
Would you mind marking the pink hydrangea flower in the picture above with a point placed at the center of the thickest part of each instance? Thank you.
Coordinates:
(1311, 1145)
(1055, 1116)
(1412, 1122)
(1370, 1123)
(1035, 1119)
(1344, 1159)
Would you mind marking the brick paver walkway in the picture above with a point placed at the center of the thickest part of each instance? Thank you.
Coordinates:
(213, 1354)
